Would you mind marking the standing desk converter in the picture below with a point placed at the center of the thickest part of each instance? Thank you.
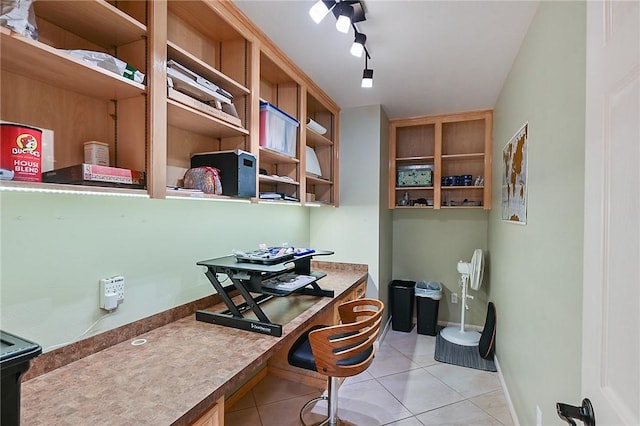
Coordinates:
(248, 278)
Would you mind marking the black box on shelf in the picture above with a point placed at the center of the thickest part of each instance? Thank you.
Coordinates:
(237, 170)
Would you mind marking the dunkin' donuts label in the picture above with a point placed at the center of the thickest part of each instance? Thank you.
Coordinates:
(22, 152)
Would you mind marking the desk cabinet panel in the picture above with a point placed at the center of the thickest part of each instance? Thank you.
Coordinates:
(213, 417)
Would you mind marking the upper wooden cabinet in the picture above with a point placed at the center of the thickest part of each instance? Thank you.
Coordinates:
(284, 86)
(72, 100)
(454, 149)
(321, 140)
(280, 93)
(148, 126)
(200, 39)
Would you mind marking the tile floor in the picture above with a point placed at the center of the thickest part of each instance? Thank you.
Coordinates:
(404, 386)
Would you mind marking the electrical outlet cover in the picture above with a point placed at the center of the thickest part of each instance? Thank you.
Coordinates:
(109, 286)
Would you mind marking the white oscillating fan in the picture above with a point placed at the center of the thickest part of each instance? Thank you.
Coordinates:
(470, 274)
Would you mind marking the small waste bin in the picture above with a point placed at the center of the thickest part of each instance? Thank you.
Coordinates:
(401, 295)
(428, 294)
(15, 358)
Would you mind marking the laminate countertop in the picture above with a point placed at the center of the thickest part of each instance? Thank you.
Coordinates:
(183, 368)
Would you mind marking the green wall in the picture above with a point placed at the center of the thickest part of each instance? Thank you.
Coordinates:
(536, 270)
(355, 229)
(56, 247)
(427, 245)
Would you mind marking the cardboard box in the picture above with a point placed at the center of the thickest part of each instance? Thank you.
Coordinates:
(94, 175)
(96, 153)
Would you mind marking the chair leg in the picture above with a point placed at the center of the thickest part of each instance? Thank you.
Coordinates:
(304, 407)
(333, 401)
(332, 404)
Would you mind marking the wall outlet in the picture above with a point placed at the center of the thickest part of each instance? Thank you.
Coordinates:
(111, 292)
(538, 416)
(454, 297)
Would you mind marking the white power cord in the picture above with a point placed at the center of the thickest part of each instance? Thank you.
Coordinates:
(80, 336)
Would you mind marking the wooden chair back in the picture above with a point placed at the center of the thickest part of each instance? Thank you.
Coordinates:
(347, 349)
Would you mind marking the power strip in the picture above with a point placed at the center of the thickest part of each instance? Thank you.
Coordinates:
(111, 292)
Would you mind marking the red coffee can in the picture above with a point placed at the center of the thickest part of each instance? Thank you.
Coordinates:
(21, 151)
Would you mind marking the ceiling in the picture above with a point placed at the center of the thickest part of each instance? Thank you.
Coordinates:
(428, 57)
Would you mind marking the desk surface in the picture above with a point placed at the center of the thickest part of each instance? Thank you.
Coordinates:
(183, 368)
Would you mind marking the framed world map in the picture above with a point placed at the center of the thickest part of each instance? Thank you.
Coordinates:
(514, 177)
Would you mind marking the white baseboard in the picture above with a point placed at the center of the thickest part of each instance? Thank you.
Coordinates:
(383, 334)
(505, 390)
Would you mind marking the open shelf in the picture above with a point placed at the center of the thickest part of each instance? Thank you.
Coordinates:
(318, 180)
(94, 20)
(206, 71)
(453, 146)
(277, 179)
(61, 70)
(184, 117)
(315, 139)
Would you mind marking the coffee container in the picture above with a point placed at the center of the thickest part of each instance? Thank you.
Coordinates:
(21, 151)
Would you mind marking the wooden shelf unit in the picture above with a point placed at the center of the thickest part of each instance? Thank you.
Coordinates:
(146, 128)
(280, 88)
(453, 145)
(199, 37)
(323, 189)
(45, 87)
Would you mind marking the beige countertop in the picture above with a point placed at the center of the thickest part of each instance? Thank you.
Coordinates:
(183, 368)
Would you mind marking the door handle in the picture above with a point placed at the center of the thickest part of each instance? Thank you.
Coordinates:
(583, 413)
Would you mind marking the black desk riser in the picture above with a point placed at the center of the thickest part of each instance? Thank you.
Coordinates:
(246, 278)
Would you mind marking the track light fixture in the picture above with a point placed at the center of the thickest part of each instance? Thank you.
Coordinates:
(347, 14)
(320, 9)
(358, 44)
(367, 74)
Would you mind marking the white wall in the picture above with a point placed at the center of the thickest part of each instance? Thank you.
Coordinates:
(56, 247)
(536, 270)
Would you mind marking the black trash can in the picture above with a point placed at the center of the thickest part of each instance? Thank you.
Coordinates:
(401, 295)
(428, 295)
(15, 358)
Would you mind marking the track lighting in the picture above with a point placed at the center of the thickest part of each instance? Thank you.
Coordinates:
(345, 13)
(319, 10)
(358, 44)
(367, 74)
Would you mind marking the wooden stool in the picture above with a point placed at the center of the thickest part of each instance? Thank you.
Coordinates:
(342, 350)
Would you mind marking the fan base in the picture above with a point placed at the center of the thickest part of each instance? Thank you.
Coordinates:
(465, 338)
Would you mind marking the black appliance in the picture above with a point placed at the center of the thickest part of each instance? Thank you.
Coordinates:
(237, 170)
(15, 359)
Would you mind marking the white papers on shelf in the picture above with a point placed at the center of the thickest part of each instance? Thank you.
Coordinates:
(200, 106)
(192, 84)
(313, 166)
(315, 126)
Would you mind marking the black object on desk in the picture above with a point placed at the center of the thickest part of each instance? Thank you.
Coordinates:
(247, 278)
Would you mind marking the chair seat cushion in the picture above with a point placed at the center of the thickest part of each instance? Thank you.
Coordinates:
(300, 354)
(356, 359)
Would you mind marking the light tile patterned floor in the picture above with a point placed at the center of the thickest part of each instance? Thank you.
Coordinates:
(404, 386)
